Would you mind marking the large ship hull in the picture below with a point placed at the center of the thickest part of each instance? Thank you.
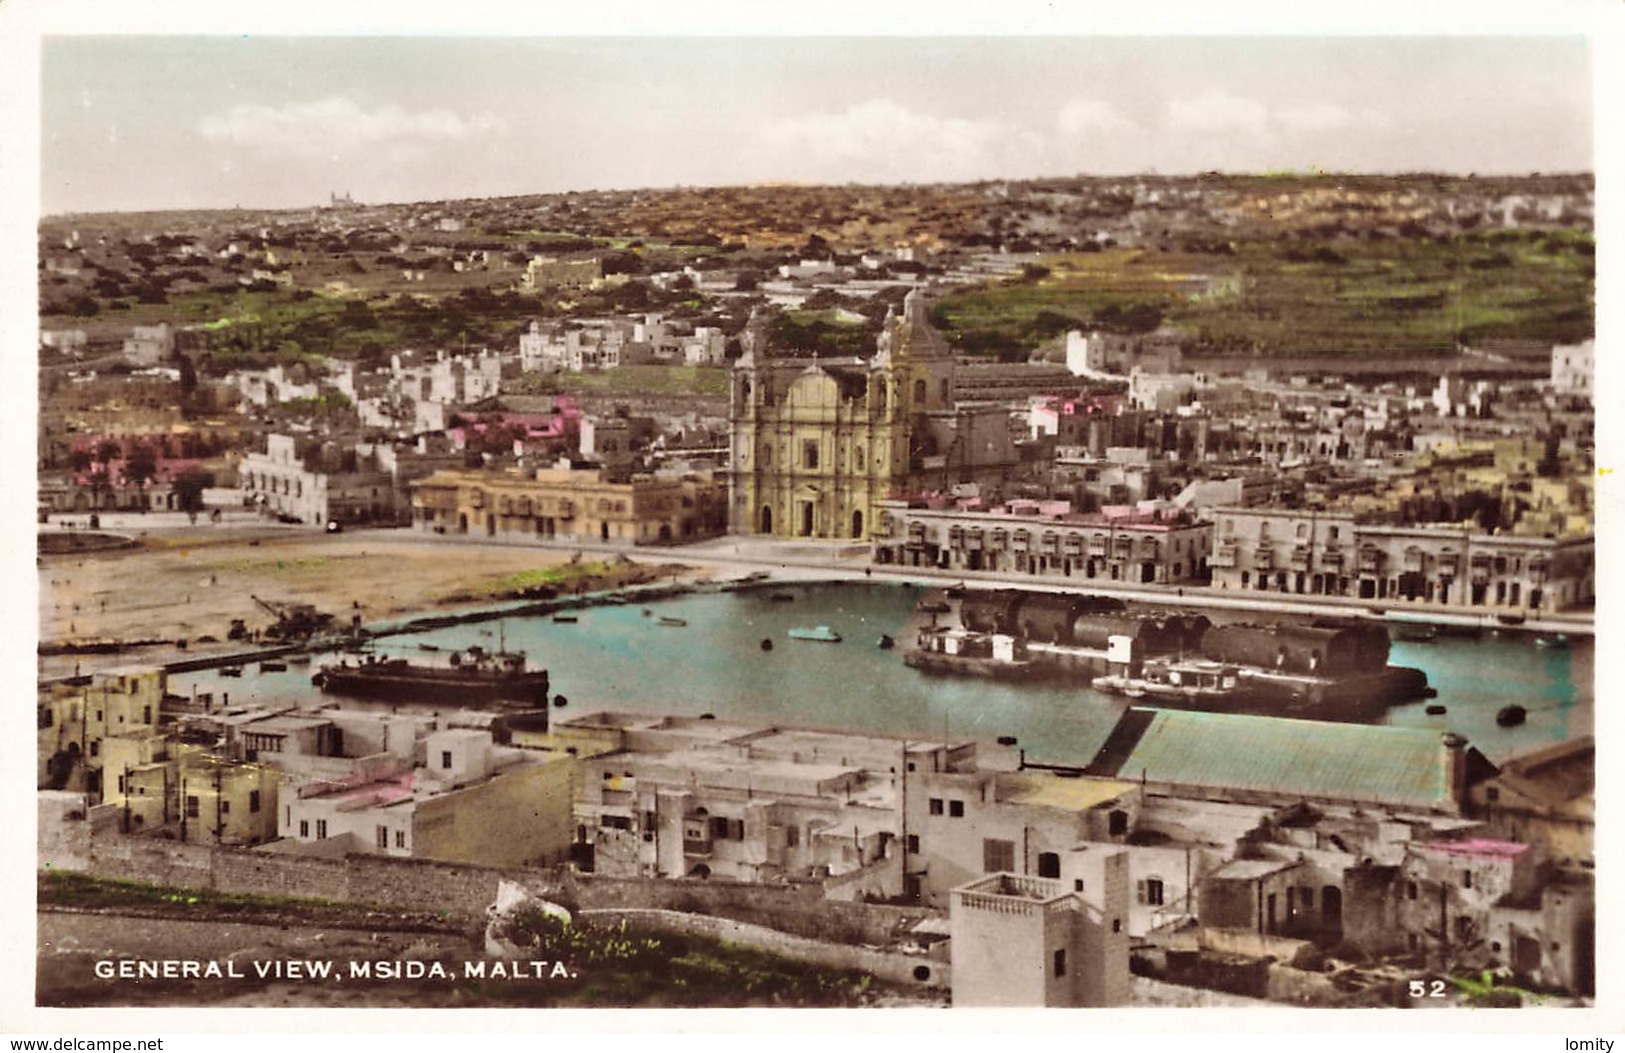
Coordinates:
(450, 687)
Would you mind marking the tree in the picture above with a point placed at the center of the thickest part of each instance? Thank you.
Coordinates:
(140, 468)
(100, 484)
(79, 460)
(189, 487)
(108, 450)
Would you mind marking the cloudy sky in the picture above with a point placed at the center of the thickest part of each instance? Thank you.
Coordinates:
(133, 122)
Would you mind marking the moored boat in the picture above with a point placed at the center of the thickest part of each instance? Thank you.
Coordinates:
(820, 633)
(469, 677)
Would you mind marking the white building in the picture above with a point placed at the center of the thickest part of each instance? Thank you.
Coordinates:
(1574, 369)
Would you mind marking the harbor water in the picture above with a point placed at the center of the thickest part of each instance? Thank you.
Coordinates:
(702, 653)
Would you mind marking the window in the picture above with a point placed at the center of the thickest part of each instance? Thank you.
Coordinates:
(321, 829)
(304, 828)
(956, 809)
(400, 839)
(998, 855)
(913, 842)
(792, 836)
(225, 807)
(649, 820)
(1049, 865)
(191, 807)
(445, 760)
(1117, 823)
(809, 453)
(383, 837)
(1410, 890)
(615, 822)
(95, 747)
(1308, 896)
(1059, 966)
(1117, 924)
(1077, 884)
(1466, 879)
(1151, 892)
(934, 806)
(253, 802)
(146, 714)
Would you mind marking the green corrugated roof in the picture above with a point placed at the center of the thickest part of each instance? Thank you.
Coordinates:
(1403, 767)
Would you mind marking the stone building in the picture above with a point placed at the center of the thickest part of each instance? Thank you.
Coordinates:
(569, 504)
(1048, 539)
(819, 442)
(1025, 941)
(1331, 554)
(280, 483)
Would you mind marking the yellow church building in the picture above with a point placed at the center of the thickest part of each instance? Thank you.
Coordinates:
(819, 442)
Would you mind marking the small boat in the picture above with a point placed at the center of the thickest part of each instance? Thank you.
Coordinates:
(299, 659)
(1416, 633)
(666, 620)
(566, 618)
(1558, 642)
(273, 667)
(781, 597)
(886, 642)
(1509, 619)
(231, 670)
(560, 701)
(1511, 716)
(428, 647)
(820, 633)
(1435, 710)
(767, 645)
(647, 613)
(756, 575)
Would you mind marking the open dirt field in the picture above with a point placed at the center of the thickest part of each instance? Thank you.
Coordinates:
(190, 583)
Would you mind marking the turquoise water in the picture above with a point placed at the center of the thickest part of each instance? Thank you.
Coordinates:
(618, 657)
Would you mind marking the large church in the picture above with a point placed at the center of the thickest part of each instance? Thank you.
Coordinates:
(819, 442)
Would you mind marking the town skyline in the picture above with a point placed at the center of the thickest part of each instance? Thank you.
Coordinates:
(171, 122)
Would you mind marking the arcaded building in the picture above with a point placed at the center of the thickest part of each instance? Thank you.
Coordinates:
(819, 442)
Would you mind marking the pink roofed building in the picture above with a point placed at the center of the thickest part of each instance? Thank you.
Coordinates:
(467, 800)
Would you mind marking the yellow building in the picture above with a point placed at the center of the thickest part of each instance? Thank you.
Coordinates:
(819, 442)
(569, 504)
(161, 784)
(76, 718)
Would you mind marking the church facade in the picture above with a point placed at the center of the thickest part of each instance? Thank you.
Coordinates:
(819, 442)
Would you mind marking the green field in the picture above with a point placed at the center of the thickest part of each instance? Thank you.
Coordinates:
(1292, 297)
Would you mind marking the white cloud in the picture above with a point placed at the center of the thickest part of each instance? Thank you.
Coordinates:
(334, 124)
(1216, 112)
(1086, 116)
(1327, 117)
(882, 138)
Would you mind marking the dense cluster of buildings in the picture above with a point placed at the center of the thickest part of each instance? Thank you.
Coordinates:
(1189, 837)
(1398, 842)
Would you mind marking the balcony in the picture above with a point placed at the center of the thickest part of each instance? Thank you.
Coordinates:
(1264, 557)
(1300, 557)
(1225, 556)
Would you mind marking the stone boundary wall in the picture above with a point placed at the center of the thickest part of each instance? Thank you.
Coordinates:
(910, 970)
(465, 890)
